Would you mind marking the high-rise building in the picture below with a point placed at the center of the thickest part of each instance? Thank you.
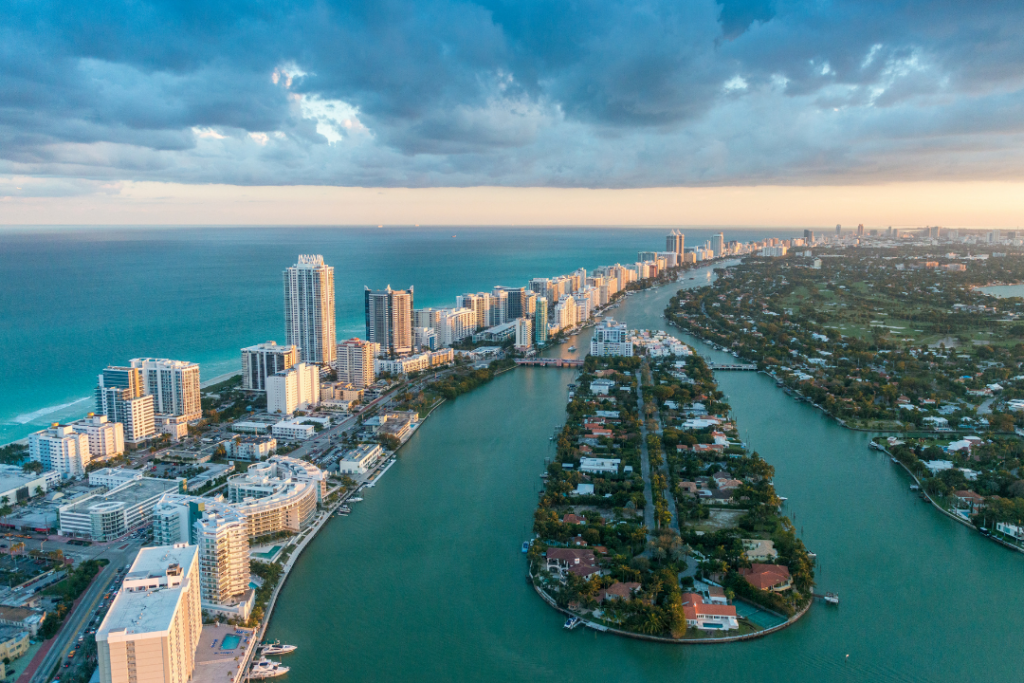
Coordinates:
(173, 384)
(565, 313)
(540, 321)
(860, 230)
(354, 362)
(296, 388)
(106, 438)
(808, 237)
(718, 245)
(674, 242)
(309, 309)
(119, 396)
(839, 228)
(262, 360)
(60, 449)
(454, 325)
(611, 339)
(389, 319)
(524, 333)
(425, 317)
(151, 632)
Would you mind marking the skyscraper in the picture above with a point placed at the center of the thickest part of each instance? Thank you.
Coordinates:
(173, 384)
(119, 396)
(389, 319)
(674, 242)
(540, 321)
(718, 244)
(860, 230)
(60, 449)
(262, 360)
(839, 228)
(808, 236)
(309, 309)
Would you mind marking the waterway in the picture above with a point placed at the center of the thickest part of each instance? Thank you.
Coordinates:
(425, 581)
(1004, 291)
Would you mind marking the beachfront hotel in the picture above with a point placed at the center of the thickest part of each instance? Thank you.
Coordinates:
(296, 388)
(106, 438)
(152, 630)
(60, 449)
(263, 360)
(120, 397)
(309, 309)
(354, 363)
(173, 384)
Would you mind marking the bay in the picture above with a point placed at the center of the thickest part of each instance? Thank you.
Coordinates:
(425, 580)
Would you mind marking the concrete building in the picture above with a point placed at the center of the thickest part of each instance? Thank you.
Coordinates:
(424, 338)
(674, 242)
(298, 429)
(119, 396)
(498, 333)
(250, 448)
(454, 325)
(565, 313)
(524, 333)
(718, 245)
(152, 629)
(110, 515)
(611, 339)
(60, 449)
(354, 363)
(309, 309)
(173, 384)
(280, 494)
(24, 618)
(389, 319)
(297, 388)
(417, 363)
(360, 459)
(112, 477)
(263, 360)
(106, 438)
(17, 485)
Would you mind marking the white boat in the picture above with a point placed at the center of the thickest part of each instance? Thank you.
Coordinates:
(572, 348)
(265, 668)
(277, 648)
(572, 622)
(355, 500)
(832, 598)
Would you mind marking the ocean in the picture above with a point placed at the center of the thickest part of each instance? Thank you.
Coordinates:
(75, 300)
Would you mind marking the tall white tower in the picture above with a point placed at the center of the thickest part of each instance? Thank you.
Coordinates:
(309, 309)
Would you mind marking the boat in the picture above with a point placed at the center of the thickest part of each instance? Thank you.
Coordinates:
(832, 598)
(572, 348)
(526, 546)
(894, 459)
(572, 622)
(277, 648)
(875, 446)
(265, 668)
(355, 500)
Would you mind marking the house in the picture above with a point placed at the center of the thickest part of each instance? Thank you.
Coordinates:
(970, 499)
(618, 591)
(689, 487)
(724, 480)
(600, 465)
(757, 549)
(768, 577)
(708, 616)
(716, 596)
(576, 560)
(601, 387)
(578, 541)
(23, 618)
(571, 518)
(583, 490)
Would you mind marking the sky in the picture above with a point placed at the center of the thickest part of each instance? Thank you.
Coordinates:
(756, 112)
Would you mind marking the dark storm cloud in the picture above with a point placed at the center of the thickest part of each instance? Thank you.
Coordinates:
(581, 93)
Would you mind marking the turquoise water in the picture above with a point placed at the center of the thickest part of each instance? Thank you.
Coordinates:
(73, 301)
(428, 582)
(1004, 291)
(230, 642)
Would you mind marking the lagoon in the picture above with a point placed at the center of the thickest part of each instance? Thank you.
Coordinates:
(1004, 291)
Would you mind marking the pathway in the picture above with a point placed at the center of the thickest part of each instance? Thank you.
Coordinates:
(645, 464)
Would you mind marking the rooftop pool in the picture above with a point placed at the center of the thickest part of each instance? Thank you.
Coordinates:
(230, 642)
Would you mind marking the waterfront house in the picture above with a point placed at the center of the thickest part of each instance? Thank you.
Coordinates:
(705, 616)
(601, 386)
(579, 561)
(583, 490)
(759, 550)
(572, 518)
(971, 499)
(618, 591)
(768, 577)
(716, 596)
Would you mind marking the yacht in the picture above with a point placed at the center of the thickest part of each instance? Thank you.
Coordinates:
(572, 622)
(277, 648)
(355, 500)
(265, 668)
(572, 348)
(526, 546)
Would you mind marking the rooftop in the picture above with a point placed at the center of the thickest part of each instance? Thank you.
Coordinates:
(131, 493)
(135, 609)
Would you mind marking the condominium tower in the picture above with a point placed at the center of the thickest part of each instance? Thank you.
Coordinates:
(354, 363)
(718, 245)
(262, 360)
(106, 438)
(296, 388)
(540, 321)
(674, 242)
(152, 630)
(60, 449)
(309, 309)
(173, 384)
(120, 397)
(389, 319)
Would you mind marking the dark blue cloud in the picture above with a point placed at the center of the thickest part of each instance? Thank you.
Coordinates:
(597, 93)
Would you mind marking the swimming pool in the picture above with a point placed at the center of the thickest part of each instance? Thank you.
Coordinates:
(230, 642)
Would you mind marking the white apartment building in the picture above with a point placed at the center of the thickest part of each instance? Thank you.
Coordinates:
(389, 319)
(223, 540)
(60, 449)
(151, 631)
(106, 439)
(309, 309)
(120, 396)
(112, 477)
(104, 517)
(454, 325)
(354, 363)
(296, 388)
(250, 448)
(263, 360)
(17, 485)
(293, 430)
(524, 333)
(565, 313)
(360, 459)
(611, 339)
(173, 384)
(424, 337)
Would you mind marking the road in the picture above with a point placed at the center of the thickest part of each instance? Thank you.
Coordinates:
(77, 621)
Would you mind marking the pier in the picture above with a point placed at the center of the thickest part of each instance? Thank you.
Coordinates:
(551, 362)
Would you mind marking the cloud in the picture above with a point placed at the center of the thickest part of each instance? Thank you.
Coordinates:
(511, 92)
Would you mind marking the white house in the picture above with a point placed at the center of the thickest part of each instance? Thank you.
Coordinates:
(600, 465)
(601, 386)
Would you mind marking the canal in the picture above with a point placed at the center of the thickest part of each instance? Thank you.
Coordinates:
(425, 580)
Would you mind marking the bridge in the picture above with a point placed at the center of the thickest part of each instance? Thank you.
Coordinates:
(551, 362)
(732, 366)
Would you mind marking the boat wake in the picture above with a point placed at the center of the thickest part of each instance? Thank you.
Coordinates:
(25, 418)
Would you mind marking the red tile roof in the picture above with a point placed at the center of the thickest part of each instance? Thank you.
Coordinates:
(765, 576)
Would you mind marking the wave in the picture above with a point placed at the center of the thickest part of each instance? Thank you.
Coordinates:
(29, 417)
